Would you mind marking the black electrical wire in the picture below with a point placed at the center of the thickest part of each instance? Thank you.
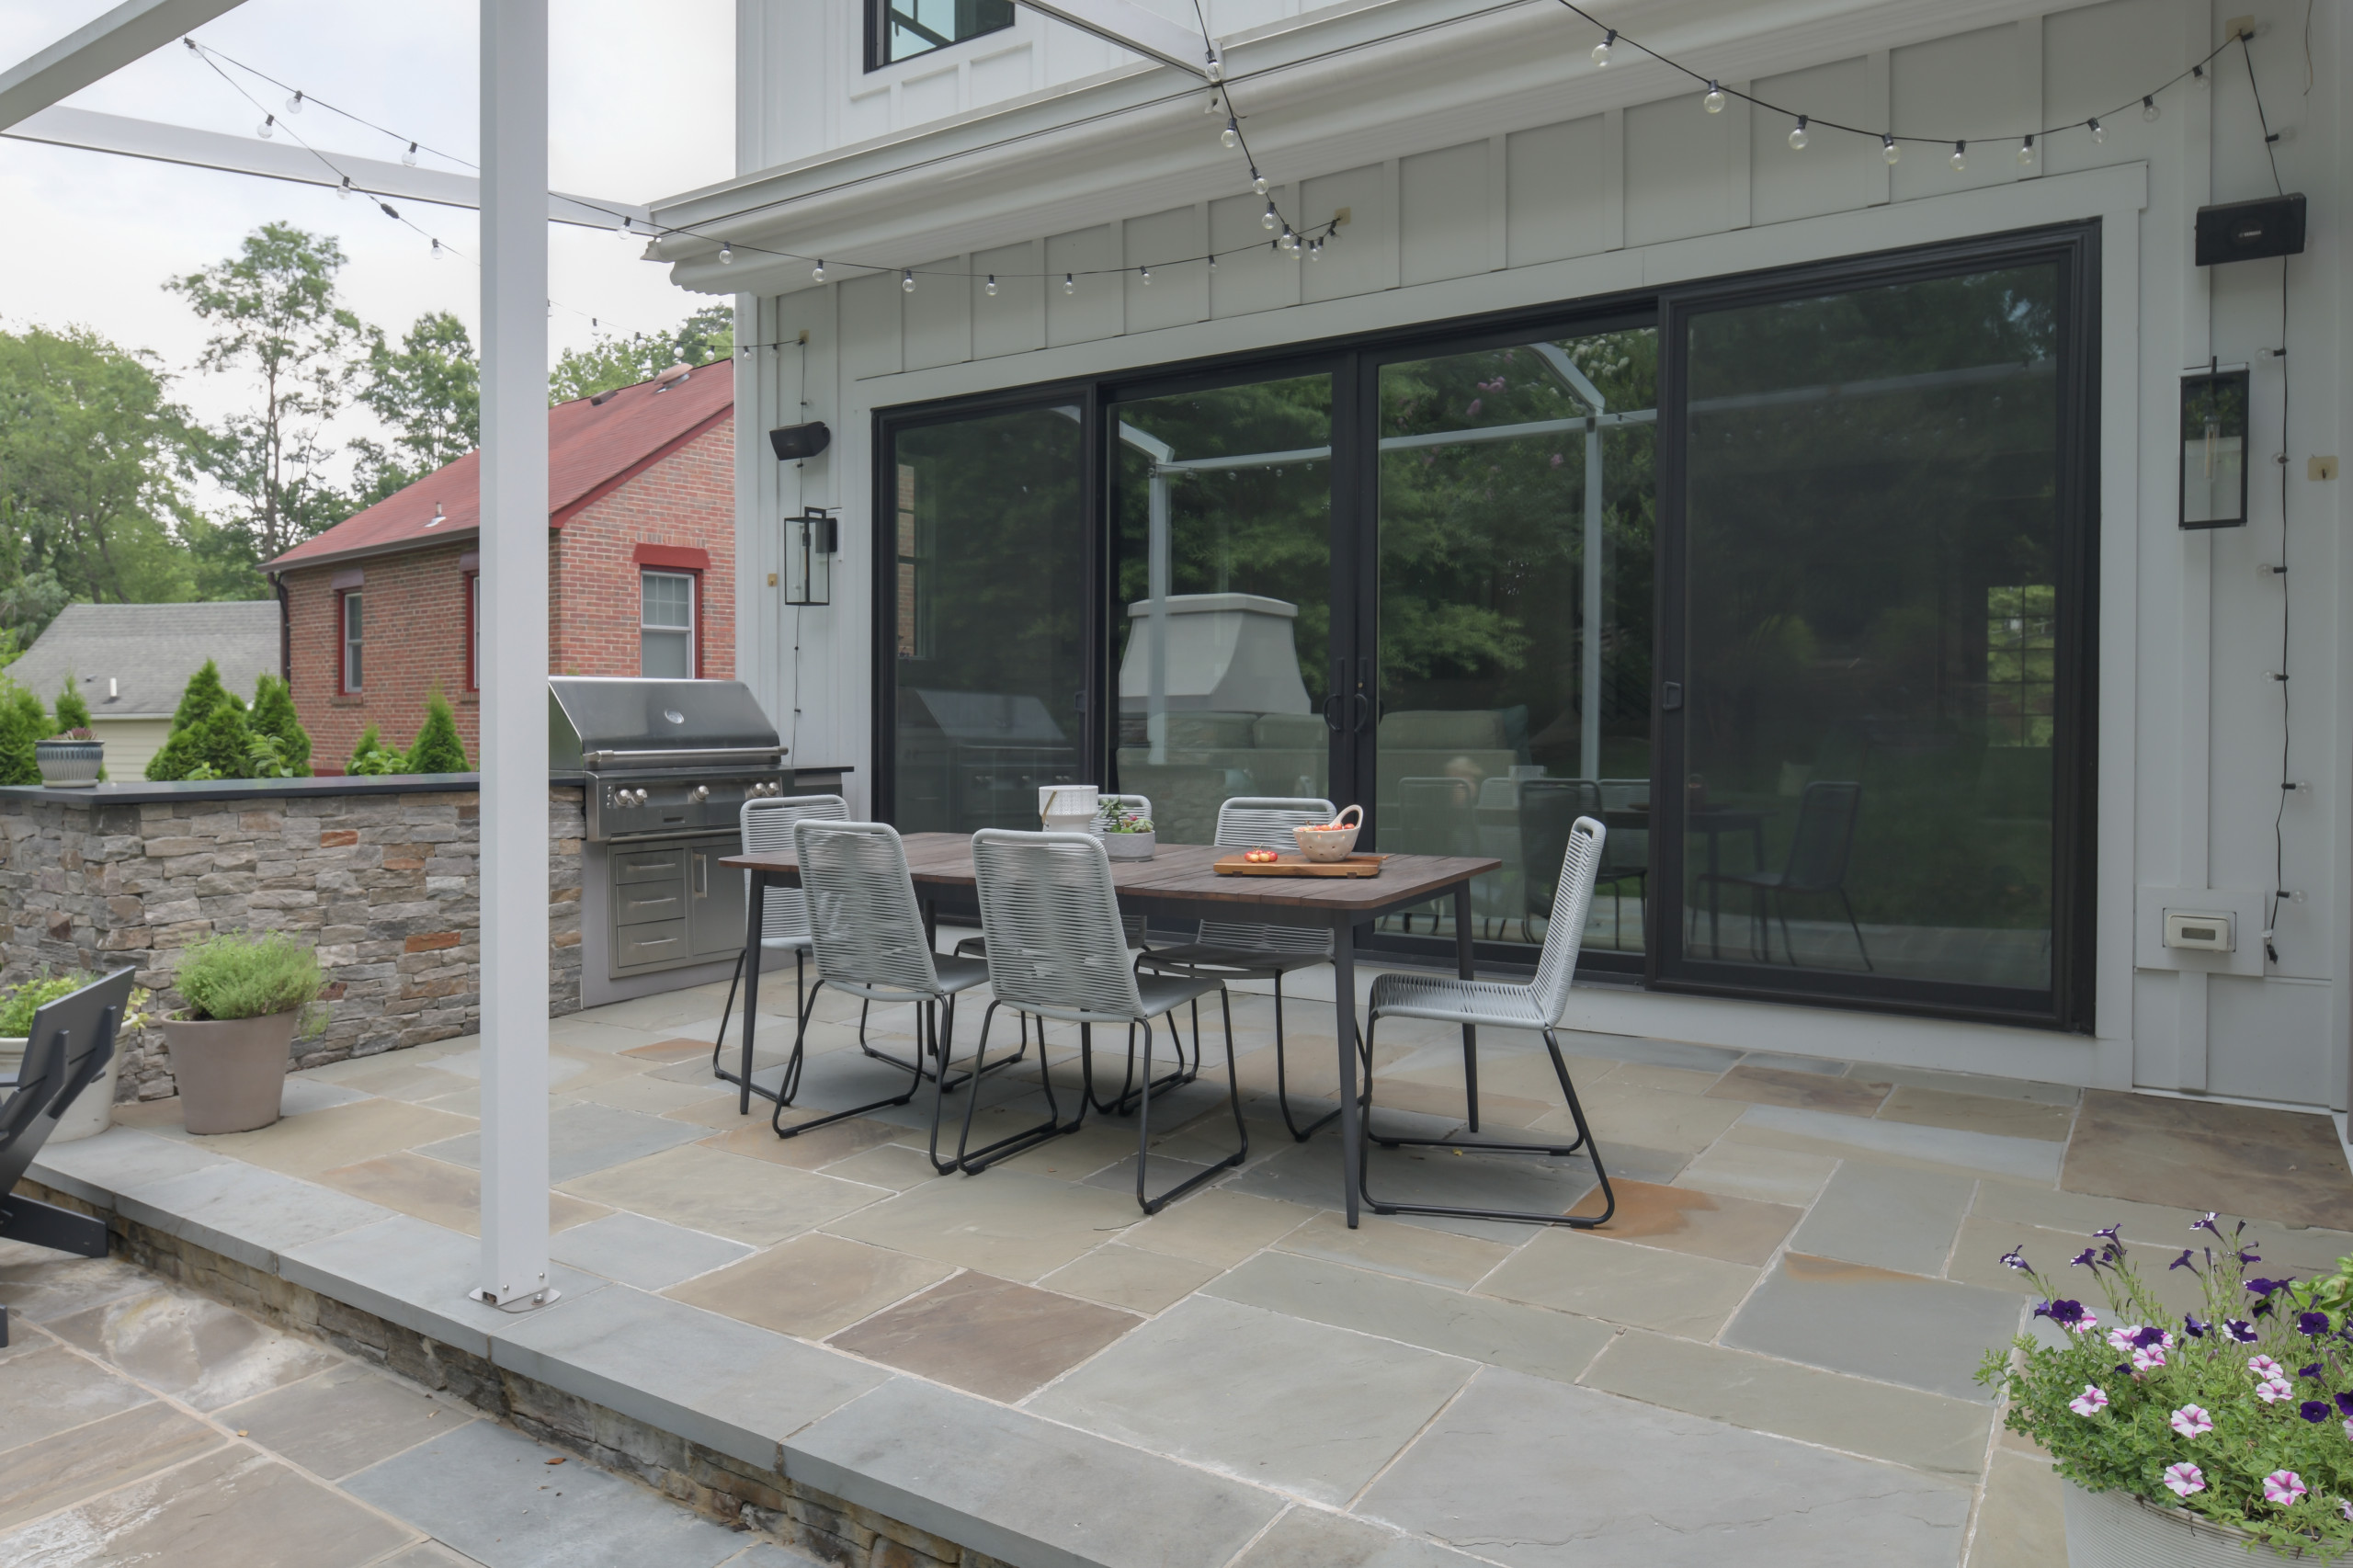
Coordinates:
(2287, 583)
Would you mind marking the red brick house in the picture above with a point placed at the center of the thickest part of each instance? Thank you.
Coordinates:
(379, 610)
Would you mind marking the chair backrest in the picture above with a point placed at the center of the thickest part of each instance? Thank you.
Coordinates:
(1548, 809)
(70, 1043)
(865, 927)
(1055, 948)
(1264, 821)
(1825, 832)
(1556, 966)
(768, 830)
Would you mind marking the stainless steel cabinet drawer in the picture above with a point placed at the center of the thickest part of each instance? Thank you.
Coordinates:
(655, 942)
(651, 865)
(634, 904)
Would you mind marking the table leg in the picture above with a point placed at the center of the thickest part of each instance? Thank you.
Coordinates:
(1343, 1009)
(751, 925)
(1462, 966)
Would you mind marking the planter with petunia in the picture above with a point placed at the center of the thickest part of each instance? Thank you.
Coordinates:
(2188, 1438)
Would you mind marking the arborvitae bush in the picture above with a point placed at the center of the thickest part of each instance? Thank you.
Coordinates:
(273, 716)
(371, 756)
(436, 748)
(72, 713)
(23, 720)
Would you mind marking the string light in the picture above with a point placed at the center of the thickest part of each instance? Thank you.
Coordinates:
(2099, 132)
(817, 273)
(2149, 109)
(906, 281)
(409, 158)
(1798, 137)
(992, 288)
(1601, 50)
(1070, 284)
(1258, 180)
(1290, 241)
(1959, 159)
(1315, 251)
(1714, 102)
(437, 250)
(268, 128)
(294, 104)
(1144, 274)
(1271, 220)
(343, 191)
(1231, 137)
(2025, 150)
(726, 254)
(1888, 150)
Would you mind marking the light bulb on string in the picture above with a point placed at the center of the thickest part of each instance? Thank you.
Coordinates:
(1888, 150)
(1798, 138)
(1213, 261)
(1601, 50)
(906, 281)
(1070, 284)
(1959, 159)
(1290, 241)
(437, 250)
(2026, 151)
(1315, 251)
(992, 286)
(1257, 181)
(1714, 102)
(343, 191)
(1269, 221)
(726, 254)
(1232, 135)
(2149, 110)
(1144, 275)
(268, 128)
(2100, 132)
(817, 273)
(409, 158)
(294, 104)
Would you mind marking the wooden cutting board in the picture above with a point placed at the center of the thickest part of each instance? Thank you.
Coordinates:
(1299, 866)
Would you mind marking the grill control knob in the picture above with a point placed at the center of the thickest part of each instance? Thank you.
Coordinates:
(636, 795)
(701, 793)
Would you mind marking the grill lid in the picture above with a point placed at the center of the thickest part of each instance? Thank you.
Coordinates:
(618, 722)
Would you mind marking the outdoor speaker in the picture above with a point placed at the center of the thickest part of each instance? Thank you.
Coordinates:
(2248, 230)
(793, 441)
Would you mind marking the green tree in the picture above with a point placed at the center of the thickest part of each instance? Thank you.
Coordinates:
(429, 391)
(702, 338)
(200, 697)
(91, 458)
(279, 322)
(273, 720)
(436, 748)
(181, 751)
(220, 744)
(72, 713)
(372, 757)
(22, 722)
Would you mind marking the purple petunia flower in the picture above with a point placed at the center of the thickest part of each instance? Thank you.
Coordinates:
(2250, 1257)
(2192, 1326)
(2271, 1390)
(2242, 1331)
(2063, 1313)
(2087, 1258)
(2344, 1404)
(2283, 1487)
(2147, 1358)
(2091, 1402)
(2265, 1287)
(2207, 1223)
(2183, 1261)
(2191, 1422)
(2312, 1372)
(2263, 1365)
(2312, 1325)
(2161, 1338)
(2313, 1411)
(2185, 1478)
(2107, 1233)
(2015, 1259)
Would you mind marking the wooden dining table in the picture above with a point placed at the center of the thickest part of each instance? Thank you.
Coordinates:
(1178, 883)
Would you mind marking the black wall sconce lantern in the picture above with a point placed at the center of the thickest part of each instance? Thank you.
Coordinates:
(811, 541)
(2213, 448)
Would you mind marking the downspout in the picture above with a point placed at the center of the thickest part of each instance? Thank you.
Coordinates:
(285, 631)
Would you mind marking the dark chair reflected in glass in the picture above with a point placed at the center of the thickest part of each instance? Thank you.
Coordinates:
(1436, 816)
(1549, 807)
(1817, 865)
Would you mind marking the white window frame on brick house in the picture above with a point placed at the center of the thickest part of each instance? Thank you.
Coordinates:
(681, 633)
(350, 624)
(472, 584)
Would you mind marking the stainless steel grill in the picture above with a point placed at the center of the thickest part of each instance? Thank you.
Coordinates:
(663, 757)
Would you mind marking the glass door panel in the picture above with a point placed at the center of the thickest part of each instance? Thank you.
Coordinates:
(1221, 613)
(987, 602)
(1873, 549)
(1517, 508)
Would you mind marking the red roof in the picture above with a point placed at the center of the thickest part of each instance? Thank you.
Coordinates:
(592, 446)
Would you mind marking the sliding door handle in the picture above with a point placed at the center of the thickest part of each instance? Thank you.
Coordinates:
(1332, 711)
(1670, 697)
(1360, 711)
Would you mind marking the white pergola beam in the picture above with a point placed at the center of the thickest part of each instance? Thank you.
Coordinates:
(126, 137)
(1132, 27)
(514, 864)
(99, 48)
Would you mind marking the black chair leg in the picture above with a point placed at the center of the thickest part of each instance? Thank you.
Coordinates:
(971, 1161)
(789, 1086)
(800, 1003)
(1282, 1087)
(1584, 1140)
(1143, 1111)
(1857, 929)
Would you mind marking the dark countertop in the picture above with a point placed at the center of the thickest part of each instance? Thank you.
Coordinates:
(142, 792)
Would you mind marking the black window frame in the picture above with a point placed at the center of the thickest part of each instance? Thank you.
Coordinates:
(877, 31)
(1355, 360)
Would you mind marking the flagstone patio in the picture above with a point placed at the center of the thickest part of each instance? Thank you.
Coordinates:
(1768, 1352)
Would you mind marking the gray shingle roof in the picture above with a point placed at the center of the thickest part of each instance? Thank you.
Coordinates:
(149, 651)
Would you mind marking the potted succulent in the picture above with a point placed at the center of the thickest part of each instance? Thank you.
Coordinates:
(1127, 835)
(246, 997)
(2190, 1440)
(93, 1111)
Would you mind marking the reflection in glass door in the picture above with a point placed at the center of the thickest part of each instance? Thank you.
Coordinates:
(1517, 504)
(986, 608)
(1872, 601)
(1222, 621)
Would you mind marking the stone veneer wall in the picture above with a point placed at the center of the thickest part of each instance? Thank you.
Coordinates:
(386, 884)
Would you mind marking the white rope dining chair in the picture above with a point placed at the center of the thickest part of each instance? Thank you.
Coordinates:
(1536, 1004)
(1228, 949)
(766, 829)
(867, 934)
(1056, 950)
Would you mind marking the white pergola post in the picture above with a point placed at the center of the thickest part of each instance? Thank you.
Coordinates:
(514, 654)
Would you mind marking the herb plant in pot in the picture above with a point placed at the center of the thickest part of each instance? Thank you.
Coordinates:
(246, 996)
(2187, 1441)
(1127, 835)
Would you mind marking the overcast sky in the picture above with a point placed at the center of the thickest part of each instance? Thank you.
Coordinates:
(643, 100)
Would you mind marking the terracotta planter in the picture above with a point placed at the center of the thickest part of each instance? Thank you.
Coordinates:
(232, 1071)
(93, 1111)
(2116, 1530)
(69, 765)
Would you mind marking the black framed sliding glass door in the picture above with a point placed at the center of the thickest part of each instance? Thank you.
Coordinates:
(1878, 602)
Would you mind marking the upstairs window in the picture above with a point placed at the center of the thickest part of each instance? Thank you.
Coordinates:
(902, 29)
(348, 615)
(667, 625)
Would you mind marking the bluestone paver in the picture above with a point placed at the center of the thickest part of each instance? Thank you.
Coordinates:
(234, 1507)
(1874, 1322)
(1899, 1143)
(1887, 1217)
(246, 1212)
(651, 1254)
(1315, 1538)
(581, 1138)
(418, 1276)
